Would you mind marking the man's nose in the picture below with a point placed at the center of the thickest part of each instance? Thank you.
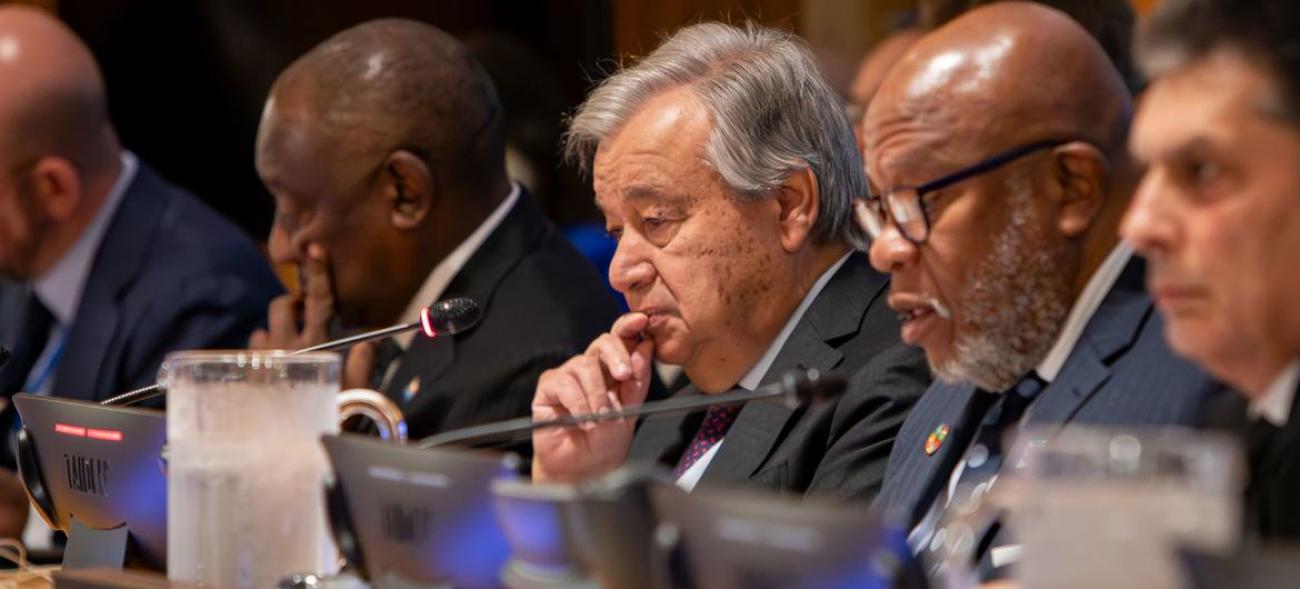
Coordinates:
(630, 270)
(1148, 224)
(891, 251)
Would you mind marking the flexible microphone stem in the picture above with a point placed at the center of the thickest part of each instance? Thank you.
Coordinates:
(796, 388)
(446, 317)
(356, 339)
(4, 356)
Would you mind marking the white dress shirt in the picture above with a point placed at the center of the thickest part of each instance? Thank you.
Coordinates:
(1102, 280)
(443, 273)
(1275, 404)
(758, 371)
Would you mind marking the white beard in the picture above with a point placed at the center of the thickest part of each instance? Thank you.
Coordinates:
(1015, 304)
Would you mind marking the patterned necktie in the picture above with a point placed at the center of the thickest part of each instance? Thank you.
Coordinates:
(983, 460)
(717, 421)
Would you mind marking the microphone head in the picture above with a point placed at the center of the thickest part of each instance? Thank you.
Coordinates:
(4, 356)
(803, 387)
(449, 317)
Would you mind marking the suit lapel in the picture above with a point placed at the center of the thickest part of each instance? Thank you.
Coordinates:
(517, 235)
(924, 473)
(85, 366)
(835, 313)
(423, 363)
(663, 438)
(1112, 329)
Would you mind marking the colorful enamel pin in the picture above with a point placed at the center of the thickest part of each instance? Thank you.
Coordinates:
(412, 389)
(936, 439)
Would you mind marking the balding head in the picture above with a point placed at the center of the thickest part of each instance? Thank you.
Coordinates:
(997, 256)
(52, 100)
(1009, 72)
(58, 152)
(397, 84)
(384, 146)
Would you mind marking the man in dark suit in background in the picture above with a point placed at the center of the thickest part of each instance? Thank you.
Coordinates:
(725, 168)
(1218, 216)
(114, 266)
(384, 147)
(997, 147)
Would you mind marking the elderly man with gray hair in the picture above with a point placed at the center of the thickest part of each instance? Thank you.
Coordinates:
(725, 168)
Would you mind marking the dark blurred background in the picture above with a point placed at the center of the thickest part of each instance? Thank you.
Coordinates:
(187, 78)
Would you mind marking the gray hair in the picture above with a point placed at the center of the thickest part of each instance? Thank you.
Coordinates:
(773, 114)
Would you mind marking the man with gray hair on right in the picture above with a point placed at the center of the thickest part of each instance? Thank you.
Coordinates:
(726, 169)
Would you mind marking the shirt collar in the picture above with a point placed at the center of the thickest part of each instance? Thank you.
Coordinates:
(1102, 280)
(1275, 404)
(756, 373)
(60, 288)
(446, 270)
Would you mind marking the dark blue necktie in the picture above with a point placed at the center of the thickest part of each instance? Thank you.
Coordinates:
(982, 461)
(37, 321)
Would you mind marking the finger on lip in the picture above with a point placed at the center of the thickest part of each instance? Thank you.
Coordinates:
(631, 324)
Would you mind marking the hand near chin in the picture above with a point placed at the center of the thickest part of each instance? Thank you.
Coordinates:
(299, 320)
(612, 374)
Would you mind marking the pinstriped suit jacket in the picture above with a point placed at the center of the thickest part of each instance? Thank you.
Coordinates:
(1121, 372)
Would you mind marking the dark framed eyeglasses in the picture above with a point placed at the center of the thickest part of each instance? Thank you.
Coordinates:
(903, 204)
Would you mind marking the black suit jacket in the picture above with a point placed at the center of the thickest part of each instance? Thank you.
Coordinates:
(837, 447)
(1272, 495)
(1121, 372)
(170, 274)
(542, 303)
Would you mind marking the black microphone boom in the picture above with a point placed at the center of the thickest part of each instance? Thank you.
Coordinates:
(797, 387)
(442, 318)
(4, 356)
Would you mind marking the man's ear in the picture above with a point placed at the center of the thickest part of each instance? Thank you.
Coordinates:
(57, 186)
(1083, 178)
(799, 208)
(408, 187)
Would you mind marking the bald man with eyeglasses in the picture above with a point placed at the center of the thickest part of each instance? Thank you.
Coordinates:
(996, 150)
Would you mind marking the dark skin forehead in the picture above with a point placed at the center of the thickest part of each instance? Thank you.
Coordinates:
(999, 76)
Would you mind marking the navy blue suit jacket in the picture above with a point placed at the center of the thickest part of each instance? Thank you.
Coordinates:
(1121, 372)
(170, 274)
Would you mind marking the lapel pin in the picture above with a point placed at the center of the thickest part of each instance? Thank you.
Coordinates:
(935, 439)
(412, 389)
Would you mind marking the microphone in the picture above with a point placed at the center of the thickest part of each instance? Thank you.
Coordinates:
(4, 356)
(447, 317)
(796, 388)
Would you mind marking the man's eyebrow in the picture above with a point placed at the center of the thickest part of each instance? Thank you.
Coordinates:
(1197, 145)
(644, 193)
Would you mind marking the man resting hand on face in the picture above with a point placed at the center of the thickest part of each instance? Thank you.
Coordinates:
(725, 168)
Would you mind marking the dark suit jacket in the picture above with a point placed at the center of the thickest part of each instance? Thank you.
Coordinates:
(837, 447)
(1121, 372)
(1272, 494)
(542, 303)
(170, 274)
